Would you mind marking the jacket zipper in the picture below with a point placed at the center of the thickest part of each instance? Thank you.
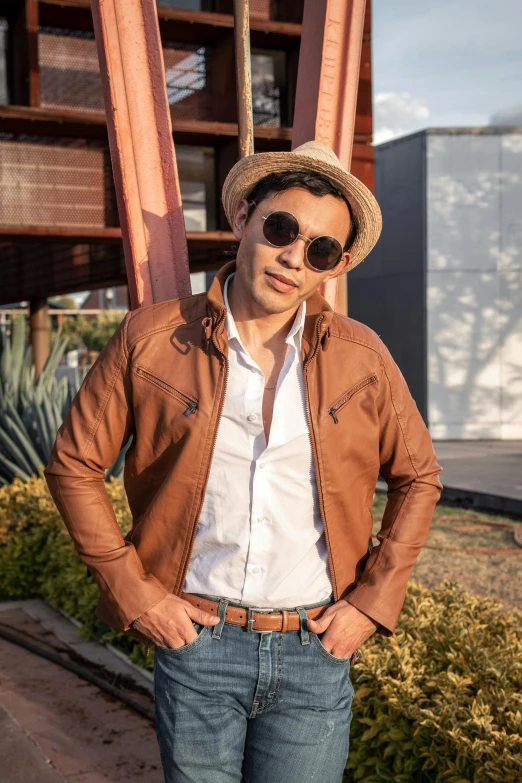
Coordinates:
(314, 452)
(216, 429)
(345, 399)
(191, 404)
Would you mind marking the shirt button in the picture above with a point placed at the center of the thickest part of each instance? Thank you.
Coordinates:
(261, 519)
(251, 417)
(256, 570)
(261, 465)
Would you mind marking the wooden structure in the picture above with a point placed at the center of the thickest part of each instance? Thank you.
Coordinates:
(59, 227)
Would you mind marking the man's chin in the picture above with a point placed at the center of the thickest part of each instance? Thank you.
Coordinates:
(275, 304)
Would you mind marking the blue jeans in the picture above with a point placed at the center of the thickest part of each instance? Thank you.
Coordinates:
(239, 707)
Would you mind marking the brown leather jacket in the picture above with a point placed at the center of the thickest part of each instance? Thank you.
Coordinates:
(162, 376)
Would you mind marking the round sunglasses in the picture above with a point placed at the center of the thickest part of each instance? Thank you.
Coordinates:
(282, 228)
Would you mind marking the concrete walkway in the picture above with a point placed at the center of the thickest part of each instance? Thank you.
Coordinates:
(482, 474)
(22, 761)
(485, 475)
(58, 728)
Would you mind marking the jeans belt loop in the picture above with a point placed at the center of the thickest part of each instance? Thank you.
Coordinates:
(305, 635)
(222, 611)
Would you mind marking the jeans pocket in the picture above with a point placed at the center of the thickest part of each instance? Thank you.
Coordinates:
(202, 631)
(324, 652)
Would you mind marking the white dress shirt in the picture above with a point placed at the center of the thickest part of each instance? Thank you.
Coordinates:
(260, 537)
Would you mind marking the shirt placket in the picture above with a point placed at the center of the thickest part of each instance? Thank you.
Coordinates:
(261, 516)
(253, 424)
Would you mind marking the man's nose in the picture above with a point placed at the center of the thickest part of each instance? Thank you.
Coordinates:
(294, 255)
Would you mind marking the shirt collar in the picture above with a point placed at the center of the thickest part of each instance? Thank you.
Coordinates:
(294, 335)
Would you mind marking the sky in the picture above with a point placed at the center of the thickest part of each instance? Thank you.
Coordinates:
(443, 63)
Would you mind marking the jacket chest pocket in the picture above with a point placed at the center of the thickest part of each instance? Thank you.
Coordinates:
(189, 403)
(348, 396)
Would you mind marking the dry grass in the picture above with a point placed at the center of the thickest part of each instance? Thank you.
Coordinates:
(495, 575)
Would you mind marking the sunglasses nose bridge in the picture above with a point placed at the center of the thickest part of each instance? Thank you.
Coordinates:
(305, 240)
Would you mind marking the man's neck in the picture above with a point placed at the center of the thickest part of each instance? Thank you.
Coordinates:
(256, 327)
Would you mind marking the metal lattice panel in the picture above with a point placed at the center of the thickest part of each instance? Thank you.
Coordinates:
(70, 77)
(187, 77)
(50, 182)
(69, 71)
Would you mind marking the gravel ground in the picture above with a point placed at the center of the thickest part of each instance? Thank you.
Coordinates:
(497, 575)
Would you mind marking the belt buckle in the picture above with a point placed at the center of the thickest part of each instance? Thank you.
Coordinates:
(251, 620)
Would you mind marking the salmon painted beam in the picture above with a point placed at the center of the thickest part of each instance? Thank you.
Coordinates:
(142, 149)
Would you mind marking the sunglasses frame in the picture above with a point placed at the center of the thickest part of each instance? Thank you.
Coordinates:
(308, 241)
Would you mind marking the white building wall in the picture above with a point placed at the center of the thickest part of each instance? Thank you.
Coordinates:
(474, 285)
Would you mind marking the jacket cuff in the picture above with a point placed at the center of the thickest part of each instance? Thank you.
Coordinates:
(363, 602)
(152, 592)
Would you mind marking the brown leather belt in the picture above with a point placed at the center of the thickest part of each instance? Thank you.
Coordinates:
(256, 619)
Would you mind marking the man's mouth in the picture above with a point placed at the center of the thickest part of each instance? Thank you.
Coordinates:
(280, 282)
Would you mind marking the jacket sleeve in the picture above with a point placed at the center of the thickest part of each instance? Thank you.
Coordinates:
(409, 467)
(96, 427)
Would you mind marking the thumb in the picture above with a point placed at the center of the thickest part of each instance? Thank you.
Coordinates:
(202, 617)
(320, 625)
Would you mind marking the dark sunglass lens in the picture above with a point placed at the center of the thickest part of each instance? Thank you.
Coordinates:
(281, 228)
(324, 253)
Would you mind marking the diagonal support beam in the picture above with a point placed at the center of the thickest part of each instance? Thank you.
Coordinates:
(327, 81)
(142, 149)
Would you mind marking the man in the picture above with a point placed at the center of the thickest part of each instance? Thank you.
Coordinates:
(261, 420)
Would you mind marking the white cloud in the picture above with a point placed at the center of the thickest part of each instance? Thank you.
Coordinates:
(397, 113)
(463, 57)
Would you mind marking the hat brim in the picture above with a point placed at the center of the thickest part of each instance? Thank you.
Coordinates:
(248, 171)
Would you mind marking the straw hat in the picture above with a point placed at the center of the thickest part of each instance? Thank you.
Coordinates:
(312, 156)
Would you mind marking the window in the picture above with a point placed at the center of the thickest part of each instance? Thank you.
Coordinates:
(269, 87)
(197, 185)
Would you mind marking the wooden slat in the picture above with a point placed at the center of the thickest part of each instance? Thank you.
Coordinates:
(204, 18)
(57, 118)
(97, 235)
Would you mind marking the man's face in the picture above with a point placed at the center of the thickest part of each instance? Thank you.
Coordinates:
(277, 278)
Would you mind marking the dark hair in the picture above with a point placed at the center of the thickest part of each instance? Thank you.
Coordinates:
(308, 180)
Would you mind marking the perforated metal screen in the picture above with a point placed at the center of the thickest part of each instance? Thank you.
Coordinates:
(52, 182)
(70, 77)
(68, 183)
(69, 72)
(187, 73)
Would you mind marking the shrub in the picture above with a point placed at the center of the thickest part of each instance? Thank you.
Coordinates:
(38, 558)
(441, 700)
(438, 702)
(32, 411)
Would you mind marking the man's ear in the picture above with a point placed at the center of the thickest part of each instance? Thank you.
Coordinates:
(240, 219)
(341, 267)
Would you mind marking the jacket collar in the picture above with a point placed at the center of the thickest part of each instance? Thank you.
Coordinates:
(318, 318)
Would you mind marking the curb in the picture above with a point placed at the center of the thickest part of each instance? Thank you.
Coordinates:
(470, 498)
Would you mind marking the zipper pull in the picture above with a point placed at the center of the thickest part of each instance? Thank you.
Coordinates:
(325, 342)
(191, 408)
(207, 329)
(332, 414)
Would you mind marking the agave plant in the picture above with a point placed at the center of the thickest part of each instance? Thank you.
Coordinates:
(32, 411)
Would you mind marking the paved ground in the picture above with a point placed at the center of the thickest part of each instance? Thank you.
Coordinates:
(482, 474)
(57, 728)
(494, 467)
(22, 760)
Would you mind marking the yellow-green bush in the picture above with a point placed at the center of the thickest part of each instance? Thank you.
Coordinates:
(38, 559)
(439, 702)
